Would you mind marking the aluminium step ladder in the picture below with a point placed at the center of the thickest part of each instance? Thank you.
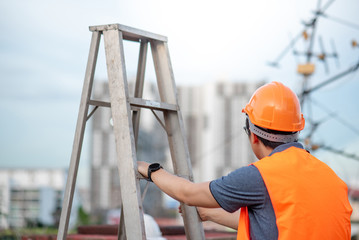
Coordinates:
(123, 108)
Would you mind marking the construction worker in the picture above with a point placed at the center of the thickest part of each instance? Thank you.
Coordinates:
(287, 194)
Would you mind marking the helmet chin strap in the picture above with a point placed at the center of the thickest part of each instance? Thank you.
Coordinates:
(272, 137)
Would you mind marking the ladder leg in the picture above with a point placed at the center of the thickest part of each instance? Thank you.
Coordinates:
(121, 234)
(136, 114)
(124, 137)
(80, 130)
(139, 85)
(175, 130)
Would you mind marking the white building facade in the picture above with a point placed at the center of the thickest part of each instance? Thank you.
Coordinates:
(30, 196)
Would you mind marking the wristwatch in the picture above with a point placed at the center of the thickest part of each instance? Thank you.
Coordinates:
(153, 168)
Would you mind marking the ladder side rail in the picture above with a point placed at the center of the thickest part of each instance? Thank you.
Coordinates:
(136, 114)
(140, 78)
(175, 130)
(124, 137)
(79, 135)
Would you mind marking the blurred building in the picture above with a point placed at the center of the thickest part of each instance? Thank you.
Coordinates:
(30, 197)
(213, 122)
(213, 119)
(105, 186)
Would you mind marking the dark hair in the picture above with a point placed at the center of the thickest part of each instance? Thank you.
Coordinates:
(266, 142)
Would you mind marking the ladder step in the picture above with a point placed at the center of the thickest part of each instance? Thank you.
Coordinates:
(99, 103)
(142, 103)
(161, 106)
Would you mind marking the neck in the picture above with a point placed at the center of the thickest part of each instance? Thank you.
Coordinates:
(264, 151)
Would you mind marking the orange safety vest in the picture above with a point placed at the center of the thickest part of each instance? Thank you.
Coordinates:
(309, 200)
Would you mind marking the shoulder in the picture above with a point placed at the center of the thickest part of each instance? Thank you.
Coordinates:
(242, 187)
(245, 178)
(242, 174)
(278, 158)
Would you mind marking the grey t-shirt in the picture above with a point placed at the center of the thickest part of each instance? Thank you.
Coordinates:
(245, 187)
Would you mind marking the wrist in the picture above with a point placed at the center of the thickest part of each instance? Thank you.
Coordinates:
(151, 169)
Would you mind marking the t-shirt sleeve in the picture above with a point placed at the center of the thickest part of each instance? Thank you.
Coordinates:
(242, 187)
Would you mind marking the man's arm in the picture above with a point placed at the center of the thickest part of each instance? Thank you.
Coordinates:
(183, 190)
(220, 216)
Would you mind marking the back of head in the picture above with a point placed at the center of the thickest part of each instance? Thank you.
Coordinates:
(274, 113)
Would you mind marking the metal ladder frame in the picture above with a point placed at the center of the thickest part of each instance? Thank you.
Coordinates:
(126, 130)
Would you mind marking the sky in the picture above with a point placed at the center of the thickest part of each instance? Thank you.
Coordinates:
(44, 48)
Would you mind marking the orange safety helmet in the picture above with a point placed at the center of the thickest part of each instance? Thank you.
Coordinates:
(276, 107)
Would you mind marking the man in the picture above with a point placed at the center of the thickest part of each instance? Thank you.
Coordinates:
(287, 194)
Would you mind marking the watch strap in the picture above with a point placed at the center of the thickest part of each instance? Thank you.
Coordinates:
(153, 168)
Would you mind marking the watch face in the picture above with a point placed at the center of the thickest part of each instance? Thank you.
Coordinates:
(155, 166)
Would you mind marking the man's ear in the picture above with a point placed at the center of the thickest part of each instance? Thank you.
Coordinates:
(254, 138)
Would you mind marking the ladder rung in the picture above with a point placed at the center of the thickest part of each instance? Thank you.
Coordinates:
(99, 103)
(139, 102)
(129, 33)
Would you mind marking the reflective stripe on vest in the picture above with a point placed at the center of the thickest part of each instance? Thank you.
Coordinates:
(309, 200)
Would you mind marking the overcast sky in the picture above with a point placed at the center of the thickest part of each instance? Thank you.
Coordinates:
(44, 48)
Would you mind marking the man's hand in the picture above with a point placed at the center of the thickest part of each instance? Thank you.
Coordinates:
(142, 168)
(181, 189)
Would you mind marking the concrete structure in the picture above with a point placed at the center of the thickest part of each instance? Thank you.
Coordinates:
(214, 121)
(30, 196)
